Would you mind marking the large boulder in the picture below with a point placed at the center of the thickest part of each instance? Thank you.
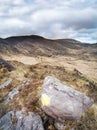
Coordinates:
(20, 121)
(61, 101)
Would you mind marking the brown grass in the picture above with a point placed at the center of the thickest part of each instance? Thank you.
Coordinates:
(29, 96)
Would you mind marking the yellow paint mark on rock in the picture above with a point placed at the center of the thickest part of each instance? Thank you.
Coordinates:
(45, 99)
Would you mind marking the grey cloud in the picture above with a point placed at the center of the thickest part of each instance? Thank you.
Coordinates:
(53, 19)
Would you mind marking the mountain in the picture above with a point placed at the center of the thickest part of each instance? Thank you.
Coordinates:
(34, 49)
(27, 60)
(36, 45)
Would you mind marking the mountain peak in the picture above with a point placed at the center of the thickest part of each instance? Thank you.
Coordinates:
(34, 37)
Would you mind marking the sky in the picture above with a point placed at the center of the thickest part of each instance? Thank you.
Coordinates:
(53, 19)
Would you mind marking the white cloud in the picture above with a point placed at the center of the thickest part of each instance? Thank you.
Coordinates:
(53, 19)
(10, 2)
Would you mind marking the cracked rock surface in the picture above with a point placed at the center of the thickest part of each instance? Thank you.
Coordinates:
(21, 121)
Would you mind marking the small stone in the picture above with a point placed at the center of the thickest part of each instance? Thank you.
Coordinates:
(59, 125)
(72, 129)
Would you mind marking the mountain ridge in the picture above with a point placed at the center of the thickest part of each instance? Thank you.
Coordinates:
(34, 45)
(41, 37)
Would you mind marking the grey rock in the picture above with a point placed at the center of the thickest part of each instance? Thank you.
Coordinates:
(72, 129)
(61, 101)
(19, 121)
(59, 125)
(11, 95)
(4, 85)
(16, 91)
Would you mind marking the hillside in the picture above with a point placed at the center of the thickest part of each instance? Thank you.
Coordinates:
(26, 60)
(35, 45)
(31, 77)
(68, 53)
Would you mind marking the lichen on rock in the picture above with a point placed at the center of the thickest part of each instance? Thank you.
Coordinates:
(61, 101)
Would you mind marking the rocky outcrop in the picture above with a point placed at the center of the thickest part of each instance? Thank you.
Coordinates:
(16, 90)
(57, 100)
(21, 121)
(6, 64)
(4, 85)
(61, 101)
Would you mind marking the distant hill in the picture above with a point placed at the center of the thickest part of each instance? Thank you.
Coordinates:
(34, 45)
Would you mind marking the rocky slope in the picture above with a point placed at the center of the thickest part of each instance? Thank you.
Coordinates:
(24, 91)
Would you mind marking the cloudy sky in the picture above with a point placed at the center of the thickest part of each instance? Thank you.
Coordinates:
(50, 18)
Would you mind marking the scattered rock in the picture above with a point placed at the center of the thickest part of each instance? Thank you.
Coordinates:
(61, 101)
(59, 125)
(6, 84)
(16, 90)
(72, 129)
(19, 121)
(11, 95)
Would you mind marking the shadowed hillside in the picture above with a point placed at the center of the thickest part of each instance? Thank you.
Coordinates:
(36, 45)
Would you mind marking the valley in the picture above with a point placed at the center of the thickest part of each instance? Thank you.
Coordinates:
(34, 58)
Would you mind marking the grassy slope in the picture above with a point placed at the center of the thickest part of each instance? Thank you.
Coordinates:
(66, 52)
(28, 97)
(56, 58)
